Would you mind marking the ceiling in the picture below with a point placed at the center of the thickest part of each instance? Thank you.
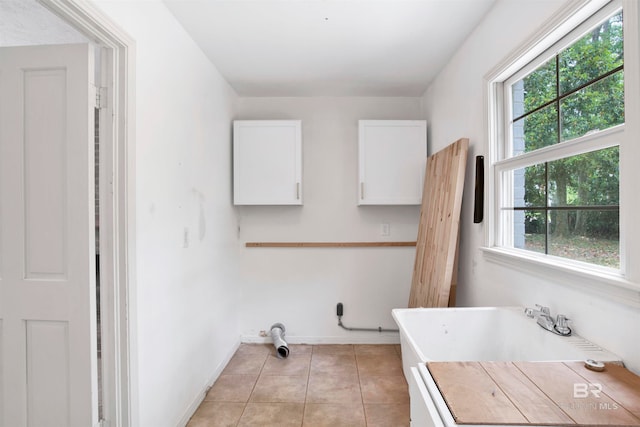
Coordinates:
(329, 47)
(27, 22)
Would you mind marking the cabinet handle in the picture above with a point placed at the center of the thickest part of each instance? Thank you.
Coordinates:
(362, 190)
(297, 190)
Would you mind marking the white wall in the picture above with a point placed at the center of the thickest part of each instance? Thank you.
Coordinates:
(455, 106)
(192, 305)
(300, 287)
(187, 320)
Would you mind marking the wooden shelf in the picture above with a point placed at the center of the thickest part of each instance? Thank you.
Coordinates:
(326, 244)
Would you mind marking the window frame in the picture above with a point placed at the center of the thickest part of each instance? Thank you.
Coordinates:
(561, 31)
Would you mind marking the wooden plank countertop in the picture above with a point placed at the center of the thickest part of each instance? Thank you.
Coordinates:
(539, 393)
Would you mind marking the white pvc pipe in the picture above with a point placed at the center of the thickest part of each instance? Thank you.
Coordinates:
(277, 334)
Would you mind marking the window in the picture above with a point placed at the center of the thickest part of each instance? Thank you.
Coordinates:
(557, 168)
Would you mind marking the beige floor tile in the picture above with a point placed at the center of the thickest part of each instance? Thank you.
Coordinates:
(295, 349)
(333, 349)
(253, 349)
(386, 389)
(250, 364)
(293, 365)
(333, 415)
(275, 389)
(333, 389)
(333, 380)
(387, 415)
(217, 414)
(272, 415)
(203, 422)
(232, 388)
(375, 350)
(379, 365)
(333, 364)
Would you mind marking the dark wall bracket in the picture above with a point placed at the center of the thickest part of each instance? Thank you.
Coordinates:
(478, 206)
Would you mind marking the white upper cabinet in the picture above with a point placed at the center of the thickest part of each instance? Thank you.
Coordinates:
(392, 157)
(267, 162)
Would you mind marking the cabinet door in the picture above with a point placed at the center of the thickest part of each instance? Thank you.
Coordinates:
(267, 162)
(392, 157)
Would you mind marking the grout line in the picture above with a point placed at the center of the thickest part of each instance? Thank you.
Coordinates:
(306, 391)
(253, 388)
(306, 402)
(364, 412)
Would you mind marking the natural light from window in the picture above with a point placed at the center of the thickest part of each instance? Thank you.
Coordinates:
(559, 172)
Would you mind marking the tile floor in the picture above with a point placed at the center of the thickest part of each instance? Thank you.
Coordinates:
(316, 386)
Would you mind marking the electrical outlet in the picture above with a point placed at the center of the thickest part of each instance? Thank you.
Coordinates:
(385, 229)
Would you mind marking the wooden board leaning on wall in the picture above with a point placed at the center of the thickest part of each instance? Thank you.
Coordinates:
(435, 267)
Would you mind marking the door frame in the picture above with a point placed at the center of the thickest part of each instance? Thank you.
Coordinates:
(117, 206)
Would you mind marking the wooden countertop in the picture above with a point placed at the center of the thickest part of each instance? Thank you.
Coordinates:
(540, 393)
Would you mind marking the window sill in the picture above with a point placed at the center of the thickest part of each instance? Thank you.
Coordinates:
(601, 281)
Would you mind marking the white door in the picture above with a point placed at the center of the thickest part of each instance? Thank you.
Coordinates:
(48, 352)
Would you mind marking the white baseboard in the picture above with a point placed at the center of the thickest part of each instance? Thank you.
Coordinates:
(356, 338)
(191, 409)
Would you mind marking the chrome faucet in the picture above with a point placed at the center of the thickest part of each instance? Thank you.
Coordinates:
(561, 326)
(543, 317)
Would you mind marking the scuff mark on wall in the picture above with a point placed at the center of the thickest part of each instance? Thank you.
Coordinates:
(202, 223)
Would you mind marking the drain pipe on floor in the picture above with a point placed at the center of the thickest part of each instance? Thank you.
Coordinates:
(277, 334)
(340, 312)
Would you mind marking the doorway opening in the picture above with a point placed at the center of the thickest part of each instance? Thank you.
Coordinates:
(73, 22)
(26, 23)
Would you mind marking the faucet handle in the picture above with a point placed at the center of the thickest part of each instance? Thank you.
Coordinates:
(562, 325)
(543, 309)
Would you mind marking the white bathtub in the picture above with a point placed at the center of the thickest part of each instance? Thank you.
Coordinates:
(474, 334)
